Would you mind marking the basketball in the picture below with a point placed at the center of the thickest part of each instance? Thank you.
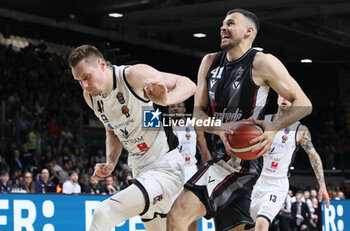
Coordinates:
(243, 132)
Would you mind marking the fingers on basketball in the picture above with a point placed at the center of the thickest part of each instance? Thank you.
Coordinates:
(240, 140)
(226, 142)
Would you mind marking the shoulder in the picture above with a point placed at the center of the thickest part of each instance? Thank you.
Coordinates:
(206, 63)
(208, 59)
(87, 98)
(264, 61)
(137, 75)
(303, 128)
(138, 70)
(267, 70)
(301, 133)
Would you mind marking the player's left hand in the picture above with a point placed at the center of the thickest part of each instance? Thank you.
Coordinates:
(323, 194)
(157, 92)
(266, 138)
(102, 170)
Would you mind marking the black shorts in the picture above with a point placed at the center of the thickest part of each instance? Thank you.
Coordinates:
(225, 192)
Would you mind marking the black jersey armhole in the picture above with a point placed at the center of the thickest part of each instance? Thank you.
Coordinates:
(251, 70)
(114, 79)
(131, 90)
(296, 134)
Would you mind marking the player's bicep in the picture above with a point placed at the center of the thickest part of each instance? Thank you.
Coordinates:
(141, 74)
(275, 74)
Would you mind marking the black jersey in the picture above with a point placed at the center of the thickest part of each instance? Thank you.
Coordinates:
(233, 95)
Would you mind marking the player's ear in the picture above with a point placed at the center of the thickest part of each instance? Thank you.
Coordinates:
(102, 63)
(249, 31)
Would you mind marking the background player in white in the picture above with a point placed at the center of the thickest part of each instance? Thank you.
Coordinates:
(118, 95)
(187, 138)
(272, 187)
(187, 144)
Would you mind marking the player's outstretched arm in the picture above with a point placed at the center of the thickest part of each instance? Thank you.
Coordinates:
(274, 74)
(304, 139)
(113, 149)
(160, 87)
(269, 71)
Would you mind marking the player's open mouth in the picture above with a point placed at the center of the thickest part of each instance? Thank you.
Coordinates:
(225, 36)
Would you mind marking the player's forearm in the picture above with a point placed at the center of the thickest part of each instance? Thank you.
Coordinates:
(317, 166)
(202, 143)
(184, 88)
(297, 112)
(113, 148)
(199, 114)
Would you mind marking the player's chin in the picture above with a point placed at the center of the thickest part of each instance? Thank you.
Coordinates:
(94, 93)
(223, 46)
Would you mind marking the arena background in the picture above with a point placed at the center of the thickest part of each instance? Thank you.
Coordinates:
(36, 86)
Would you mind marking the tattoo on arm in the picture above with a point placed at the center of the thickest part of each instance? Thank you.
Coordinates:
(315, 159)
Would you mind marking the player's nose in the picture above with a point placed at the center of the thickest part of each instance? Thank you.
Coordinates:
(223, 28)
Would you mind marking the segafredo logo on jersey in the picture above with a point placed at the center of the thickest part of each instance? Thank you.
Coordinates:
(226, 116)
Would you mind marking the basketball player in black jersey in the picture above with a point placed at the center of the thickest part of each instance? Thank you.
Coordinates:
(234, 85)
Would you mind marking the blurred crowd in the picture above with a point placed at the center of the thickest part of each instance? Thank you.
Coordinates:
(302, 210)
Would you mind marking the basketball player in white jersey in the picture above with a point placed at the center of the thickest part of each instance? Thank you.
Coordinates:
(187, 144)
(272, 187)
(123, 97)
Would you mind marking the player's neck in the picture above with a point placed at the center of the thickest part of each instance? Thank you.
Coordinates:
(238, 51)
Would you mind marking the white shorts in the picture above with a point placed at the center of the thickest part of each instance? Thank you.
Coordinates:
(160, 183)
(268, 197)
(189, 171)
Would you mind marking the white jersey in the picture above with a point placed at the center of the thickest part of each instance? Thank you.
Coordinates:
(123, 112)
(187, 143)
(280, 156)
(271, 188)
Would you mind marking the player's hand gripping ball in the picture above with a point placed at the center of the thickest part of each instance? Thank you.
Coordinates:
(243, 132)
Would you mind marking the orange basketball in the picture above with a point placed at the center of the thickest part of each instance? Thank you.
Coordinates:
(243, 132)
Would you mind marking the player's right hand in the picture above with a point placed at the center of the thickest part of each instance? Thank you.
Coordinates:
(266, 138)
(323, 194)
(223, 132)
(157, 92)
(102, 170)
